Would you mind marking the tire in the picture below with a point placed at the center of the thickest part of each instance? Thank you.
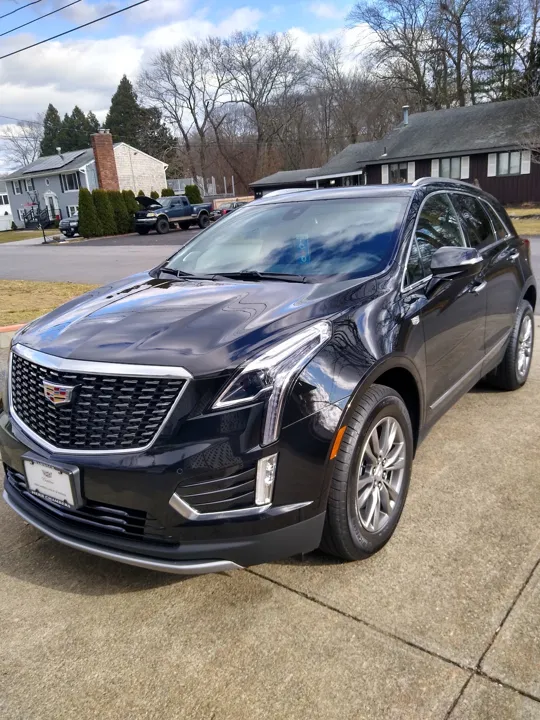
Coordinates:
(203, 220)
(143, 231)
(513, 371)
(348, 533)
(162, 226)
(184, 226)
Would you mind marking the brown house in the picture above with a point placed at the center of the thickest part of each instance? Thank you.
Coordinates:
(487, 144)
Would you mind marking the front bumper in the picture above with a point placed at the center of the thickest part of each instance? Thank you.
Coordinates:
(148, 481)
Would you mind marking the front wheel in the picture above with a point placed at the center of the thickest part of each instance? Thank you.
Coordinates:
(513, 371)
(204, 220)
(162, 226)
(371, 476)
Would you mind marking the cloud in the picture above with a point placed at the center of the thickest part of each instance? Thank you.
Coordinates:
(326, 11)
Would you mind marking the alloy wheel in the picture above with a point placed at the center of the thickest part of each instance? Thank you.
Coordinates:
(525, 341)
(381, 473)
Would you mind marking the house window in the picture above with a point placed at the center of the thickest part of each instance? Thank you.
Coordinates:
(398, 173)
(72, 210)
(70, 182)
(17, 187)
(509, 163)
(47, 182)
(21, 212)
(4, 200)
(29, 184)
(450, 168)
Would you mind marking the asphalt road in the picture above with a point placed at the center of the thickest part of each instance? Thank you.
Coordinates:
(89, 261)
(442, 624)
(107, 259)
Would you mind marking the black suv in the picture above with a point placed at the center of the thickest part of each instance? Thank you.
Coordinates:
(262, 392)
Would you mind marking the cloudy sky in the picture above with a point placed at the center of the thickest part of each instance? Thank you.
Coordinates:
(84, 67)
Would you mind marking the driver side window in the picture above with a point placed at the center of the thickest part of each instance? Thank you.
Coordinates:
(438, 226)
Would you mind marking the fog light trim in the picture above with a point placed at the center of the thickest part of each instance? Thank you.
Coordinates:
(265, 479)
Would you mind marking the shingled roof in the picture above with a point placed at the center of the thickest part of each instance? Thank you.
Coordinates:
(455, 131)
(286, 177)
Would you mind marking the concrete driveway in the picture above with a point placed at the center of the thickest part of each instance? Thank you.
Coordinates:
(442, 623)
(108, 259)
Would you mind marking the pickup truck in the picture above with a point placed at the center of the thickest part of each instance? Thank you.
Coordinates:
(163, 214)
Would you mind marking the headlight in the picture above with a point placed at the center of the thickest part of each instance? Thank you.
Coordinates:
(270, 375)
(73, 224)
(151, 215)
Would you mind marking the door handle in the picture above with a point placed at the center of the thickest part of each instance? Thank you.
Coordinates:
(478, 288)
(514, 255)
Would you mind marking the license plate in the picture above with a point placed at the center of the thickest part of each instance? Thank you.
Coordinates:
(50, 483)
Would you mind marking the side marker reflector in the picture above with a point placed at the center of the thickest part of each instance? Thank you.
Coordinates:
(337, 442)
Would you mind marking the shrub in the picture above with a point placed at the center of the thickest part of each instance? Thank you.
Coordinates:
(104, 211)
(141, 192)
(131, 204)
(154, 194)
(193, 194)
(121, 214)
(89, 224)
(13, 226)
(167, 192)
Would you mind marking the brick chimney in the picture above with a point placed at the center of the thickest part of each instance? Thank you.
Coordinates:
(102, 145)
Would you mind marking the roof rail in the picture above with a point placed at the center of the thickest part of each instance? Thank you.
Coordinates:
(429, 180)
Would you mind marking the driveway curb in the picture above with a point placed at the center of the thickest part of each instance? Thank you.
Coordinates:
(7, 332)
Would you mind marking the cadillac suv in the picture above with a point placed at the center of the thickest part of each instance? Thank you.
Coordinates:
(262, 392)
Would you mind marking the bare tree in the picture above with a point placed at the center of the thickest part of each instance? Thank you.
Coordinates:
(22, 141)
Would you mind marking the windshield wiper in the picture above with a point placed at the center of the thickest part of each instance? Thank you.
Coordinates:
(256, 275)
(183, 273)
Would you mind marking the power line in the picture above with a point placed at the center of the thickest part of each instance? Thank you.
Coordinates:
(39, 18)
(66, 32)
(20, 8)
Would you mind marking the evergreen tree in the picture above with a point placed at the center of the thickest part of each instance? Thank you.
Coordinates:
(140, 193)
(154, 194)
(76, 129)
(92, 123)
(121, 214)
(193, 194)
(51, 130)
(104, 211)
(123, 118)
(89, 225)
(154, 137)
(131, 204)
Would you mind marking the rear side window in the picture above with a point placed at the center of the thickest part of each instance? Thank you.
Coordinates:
(438, 226)
(476, 224)
(500, 231)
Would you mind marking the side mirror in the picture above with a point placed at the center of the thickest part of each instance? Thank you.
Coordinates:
(456, 262)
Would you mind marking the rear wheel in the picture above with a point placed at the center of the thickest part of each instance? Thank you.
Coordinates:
(371, 476)
(143, 231)
(204, 220)
(513, 371)
(162, 226)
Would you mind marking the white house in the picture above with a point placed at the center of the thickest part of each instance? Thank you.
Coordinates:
(52, 183)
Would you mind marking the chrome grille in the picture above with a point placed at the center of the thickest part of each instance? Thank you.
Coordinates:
(106, 413)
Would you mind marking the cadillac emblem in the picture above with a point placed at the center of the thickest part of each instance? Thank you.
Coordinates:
(57, 394)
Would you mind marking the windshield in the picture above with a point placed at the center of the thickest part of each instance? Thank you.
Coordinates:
(345, 236)
(165, 201)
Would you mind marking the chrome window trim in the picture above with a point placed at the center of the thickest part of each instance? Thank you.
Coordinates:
(406, 288)
(97, 368)
(505, 226)
(183, 508)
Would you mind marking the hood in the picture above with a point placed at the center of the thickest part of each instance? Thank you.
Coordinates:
(147, 202)
(204, 326)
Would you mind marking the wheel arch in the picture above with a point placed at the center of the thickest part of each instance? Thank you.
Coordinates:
(399, 373)
(530, 295)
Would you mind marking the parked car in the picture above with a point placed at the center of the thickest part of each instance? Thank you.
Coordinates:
(160, 215)
(263, 391)
(227, 209)
(69, 226)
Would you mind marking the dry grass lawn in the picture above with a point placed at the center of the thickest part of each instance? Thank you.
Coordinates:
(526, 219)
(24, 300)
(14, 235)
